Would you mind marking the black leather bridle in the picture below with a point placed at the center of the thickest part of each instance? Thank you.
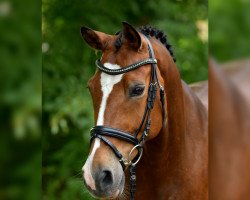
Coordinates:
(102, 131)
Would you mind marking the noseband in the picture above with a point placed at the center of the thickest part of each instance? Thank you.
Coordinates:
(102, 131)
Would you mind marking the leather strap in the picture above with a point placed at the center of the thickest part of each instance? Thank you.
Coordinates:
(124, 69)
(112, 132)
(132, 173)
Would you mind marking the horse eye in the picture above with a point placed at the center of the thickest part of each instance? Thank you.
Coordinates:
(136, 90)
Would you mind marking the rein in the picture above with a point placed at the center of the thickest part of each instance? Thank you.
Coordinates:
(102, 131)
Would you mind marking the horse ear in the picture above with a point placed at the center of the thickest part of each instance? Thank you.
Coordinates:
(131, 36)
(95, 39)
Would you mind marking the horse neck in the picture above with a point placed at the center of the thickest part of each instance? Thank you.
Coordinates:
(167, 159)
(172, 135)
(186, 115)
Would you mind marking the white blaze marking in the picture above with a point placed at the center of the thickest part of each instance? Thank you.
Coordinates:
(87, 167)
(107, 84)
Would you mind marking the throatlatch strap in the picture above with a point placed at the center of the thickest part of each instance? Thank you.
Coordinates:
(162, 98)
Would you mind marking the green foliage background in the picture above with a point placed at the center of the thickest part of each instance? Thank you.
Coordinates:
(20, 99)
(68, 63)
(229, 29)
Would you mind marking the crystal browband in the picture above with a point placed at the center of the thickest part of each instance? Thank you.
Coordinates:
(125, 69)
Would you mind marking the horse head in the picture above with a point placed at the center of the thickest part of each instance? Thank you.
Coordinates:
(119, 102)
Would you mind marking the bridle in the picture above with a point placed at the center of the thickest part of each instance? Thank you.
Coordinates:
(102, 131)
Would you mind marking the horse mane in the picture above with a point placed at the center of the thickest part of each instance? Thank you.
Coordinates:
(151, 31)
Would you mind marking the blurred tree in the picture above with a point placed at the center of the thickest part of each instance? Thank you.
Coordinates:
(68, 63)
(20, 99)
(229, 29)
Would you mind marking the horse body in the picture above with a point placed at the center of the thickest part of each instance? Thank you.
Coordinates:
(239, 72)
(229, 129)
(201, 91)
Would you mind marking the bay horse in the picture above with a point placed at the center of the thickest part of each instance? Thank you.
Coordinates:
(174, 163)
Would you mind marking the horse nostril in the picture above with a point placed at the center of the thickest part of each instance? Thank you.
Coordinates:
(106, 179)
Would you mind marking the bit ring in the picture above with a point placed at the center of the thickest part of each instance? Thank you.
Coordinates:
(140, 150)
